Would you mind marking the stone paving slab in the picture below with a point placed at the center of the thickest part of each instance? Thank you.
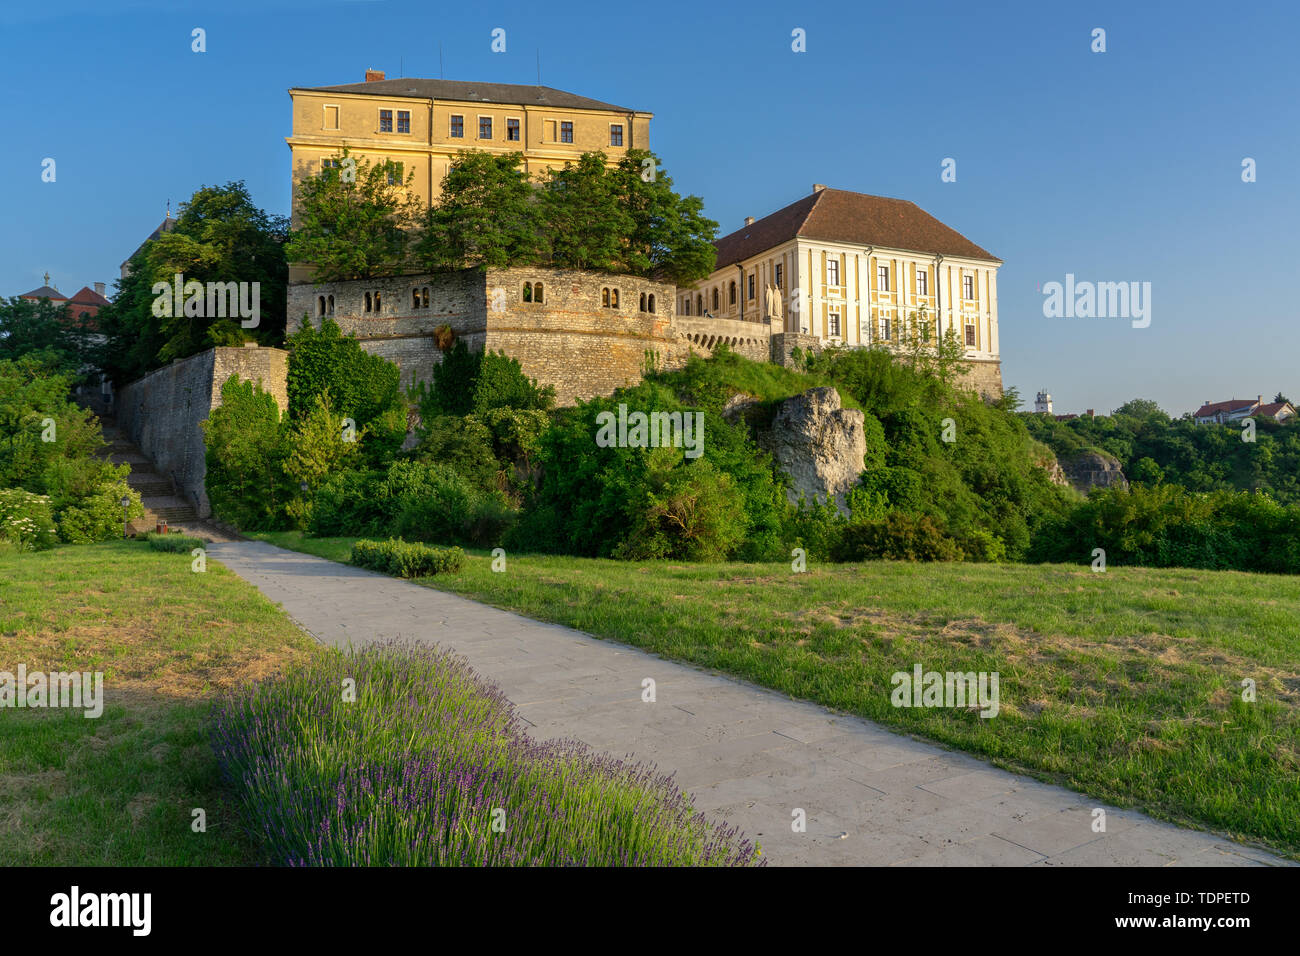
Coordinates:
(870, 796)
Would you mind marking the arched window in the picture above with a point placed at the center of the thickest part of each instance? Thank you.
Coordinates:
(415, 298)
(732, 294)
(686, 306)
(376, 301)
(652, 303)
(537, 293)
(715, 298)
(604, 298)
(613, 298)
(425, 296)
(320, 309)
(367, 301)
(699, 304)
(528, 292)
(642, 301)
(331, 304)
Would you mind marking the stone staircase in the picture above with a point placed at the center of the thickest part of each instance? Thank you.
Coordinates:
(158, 493)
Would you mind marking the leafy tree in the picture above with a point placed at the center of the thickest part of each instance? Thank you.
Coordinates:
(1141, 408)
(354, 219)
(360, 386)
(247, 445)
(315, 451)
(487, 215)
(220, 236)
(1279, 397)
(49, 332)
(587, 224)
(669, 238)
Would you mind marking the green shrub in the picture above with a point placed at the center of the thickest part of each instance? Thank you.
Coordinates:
(247, 444)
(99, 516)
(406, 559)
(25, 520)
(174, 543)
(361, 386)
(897, 537)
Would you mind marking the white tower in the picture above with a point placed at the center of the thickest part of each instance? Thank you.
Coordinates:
(1043, 403)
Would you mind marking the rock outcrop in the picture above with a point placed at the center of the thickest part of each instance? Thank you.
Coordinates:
(1093, 469)
(819, 444)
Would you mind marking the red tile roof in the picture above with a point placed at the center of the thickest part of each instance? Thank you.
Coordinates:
(88, 296)
(837, 215)
(1271, 409)
(1231, 405)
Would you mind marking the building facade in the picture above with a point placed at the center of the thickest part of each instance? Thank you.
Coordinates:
(845, 268)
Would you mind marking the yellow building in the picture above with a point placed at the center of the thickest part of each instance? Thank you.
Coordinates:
(848, 268)
(423, 124)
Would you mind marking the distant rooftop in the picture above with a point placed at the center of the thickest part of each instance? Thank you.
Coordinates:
(469, 92)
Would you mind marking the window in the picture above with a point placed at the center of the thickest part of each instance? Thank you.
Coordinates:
(699, 304)
(642, 301)
(733, 293)
(686, 306)
(331, 117)
(615, 134)
(833, 323)
(393, 173)
(330, 303)
(376, 301)
(537, 293)
(886, 332)
(512, 129)
(652, 303)
(528, 292)
(329, 167)
(604, 298)
(749, 288)
(970, 336)
(778, 276)
(832, 271)
(922, 282)
(882, 278)
(613, 298)
(385, 121)
(320, 305)
(968, 287)
(457, 127)
(403, 121)
(367, 302)
(415, 298)
(715, 299)
(485, 127)
(566, 132)
(425, 297)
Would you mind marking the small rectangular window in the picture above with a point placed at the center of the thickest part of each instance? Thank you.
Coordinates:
(968, 287)
(616, 134)
(512, 130)
(331, 117)
(834, 324)
(403, 121)
(394, 174)
(882, 278)
(566, 132)
(832, 272)
(922, 281)
(457, 127)
(750, 286)
(485, 127)
(778, 276)
(970, 336)
(385, 121)
(885, 329)
(329, 168)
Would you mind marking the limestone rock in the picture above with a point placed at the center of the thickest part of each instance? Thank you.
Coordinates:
(818, 444)
(1093, 469)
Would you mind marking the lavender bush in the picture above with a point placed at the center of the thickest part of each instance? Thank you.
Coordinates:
(418, 769)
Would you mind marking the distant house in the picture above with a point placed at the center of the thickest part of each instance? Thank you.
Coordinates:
(1235, 409)
(82, 306)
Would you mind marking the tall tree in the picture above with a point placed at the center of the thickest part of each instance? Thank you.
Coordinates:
(45, 329)
(670, 237)
(586, 221)
(487, 215)
(354, 219)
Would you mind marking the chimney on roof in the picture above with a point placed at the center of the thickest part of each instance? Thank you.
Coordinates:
(374, 75)
(99, 288)
(749, 220)
(1090, 413)
(1259, 400)
(818, 187)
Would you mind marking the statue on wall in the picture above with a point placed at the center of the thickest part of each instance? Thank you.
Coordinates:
(774, 305)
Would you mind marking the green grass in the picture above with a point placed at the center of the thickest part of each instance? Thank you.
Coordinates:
(119, 790)
(1124, 685)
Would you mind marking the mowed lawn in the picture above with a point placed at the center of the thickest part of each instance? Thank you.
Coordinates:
(1125, 685)
(120, 790)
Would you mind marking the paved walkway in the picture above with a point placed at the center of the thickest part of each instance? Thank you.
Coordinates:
(748, 755)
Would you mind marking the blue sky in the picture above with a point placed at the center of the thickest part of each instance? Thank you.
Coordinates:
(1115, 166)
